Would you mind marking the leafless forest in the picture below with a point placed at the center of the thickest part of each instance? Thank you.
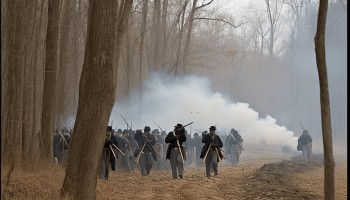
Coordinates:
(76, 63)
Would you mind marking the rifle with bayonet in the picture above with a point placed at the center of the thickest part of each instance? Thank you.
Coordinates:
(113, 145)
(178, 143)
(217, 149)
(238, 142)
(154, 149)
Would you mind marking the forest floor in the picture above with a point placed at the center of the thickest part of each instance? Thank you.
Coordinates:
(258, 176)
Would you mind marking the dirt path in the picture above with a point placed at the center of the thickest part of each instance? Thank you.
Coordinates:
(261, 178)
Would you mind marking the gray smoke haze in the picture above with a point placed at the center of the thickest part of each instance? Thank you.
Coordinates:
(190, 99)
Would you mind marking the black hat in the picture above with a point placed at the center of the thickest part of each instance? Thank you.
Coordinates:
(305, 131)
(109, 128)
(178, 126)
(212, 128)
(125, 131)
(138, 131)
(147, 128)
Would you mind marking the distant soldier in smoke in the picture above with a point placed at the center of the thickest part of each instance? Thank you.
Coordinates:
(108, 155)
(305, 145)
(211, 153)
(175, 152)
(159, 147)
(125, 147)
(61, 146)
(197, 144)
(189, 148)
(146, 154)
(166, 165)
(233, 146)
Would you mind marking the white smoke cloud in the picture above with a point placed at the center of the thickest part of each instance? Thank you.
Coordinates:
(190, 99)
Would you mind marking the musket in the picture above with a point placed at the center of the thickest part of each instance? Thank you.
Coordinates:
(178, 143)
(154, 149)
(301, 126)
(206, 153)
(158, 125)
(138, 156)
(118, 149)
(239, 143)
(115, 147)
(112, 151)
(128, 127)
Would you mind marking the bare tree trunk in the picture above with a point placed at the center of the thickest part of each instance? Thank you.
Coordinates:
(66, 58)
(143, 32)
(50, 81)
(96, 97)
(163, 34)
(189, 30)
(156, 35)
(181, 30)
(324, 98)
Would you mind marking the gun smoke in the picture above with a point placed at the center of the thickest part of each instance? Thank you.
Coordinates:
(188, 99)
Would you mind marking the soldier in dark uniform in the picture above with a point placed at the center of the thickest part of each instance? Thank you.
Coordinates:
(305, 145)
(147, 155)
(175, 151)
(125, 147)
(61, 146)
(197, 144)
(233, 146)
(134, 146)
(189, 148)
(212, 145)
(108, 154)
(159, 147)
(166, 165)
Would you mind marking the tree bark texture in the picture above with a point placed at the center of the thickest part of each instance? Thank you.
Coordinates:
(96, 97)
(324, 99)
(50, 81)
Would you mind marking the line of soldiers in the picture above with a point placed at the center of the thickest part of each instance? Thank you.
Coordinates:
(145, 150)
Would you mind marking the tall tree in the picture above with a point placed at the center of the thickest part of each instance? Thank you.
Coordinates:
(50, 81)
(96, 96)
(324, 98)
(190, 28)
(141, 47)
(156, 35)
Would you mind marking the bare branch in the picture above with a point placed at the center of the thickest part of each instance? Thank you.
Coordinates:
(222, 20)
(204, 4)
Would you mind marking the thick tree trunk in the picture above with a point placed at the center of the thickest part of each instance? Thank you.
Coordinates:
(50, 81)
(66, 58)
(324, 98)
(156, 35)
(189, 33)
(163, 34)
(143, 32)
(96, 97)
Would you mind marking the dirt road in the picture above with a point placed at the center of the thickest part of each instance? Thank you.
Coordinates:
(256, 177)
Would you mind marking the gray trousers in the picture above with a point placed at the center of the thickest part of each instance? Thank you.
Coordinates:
(306, 152)
(234, 154)
(104, 167)
(146, 160)
(176, 164)
(211, 162)
(125, 162)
